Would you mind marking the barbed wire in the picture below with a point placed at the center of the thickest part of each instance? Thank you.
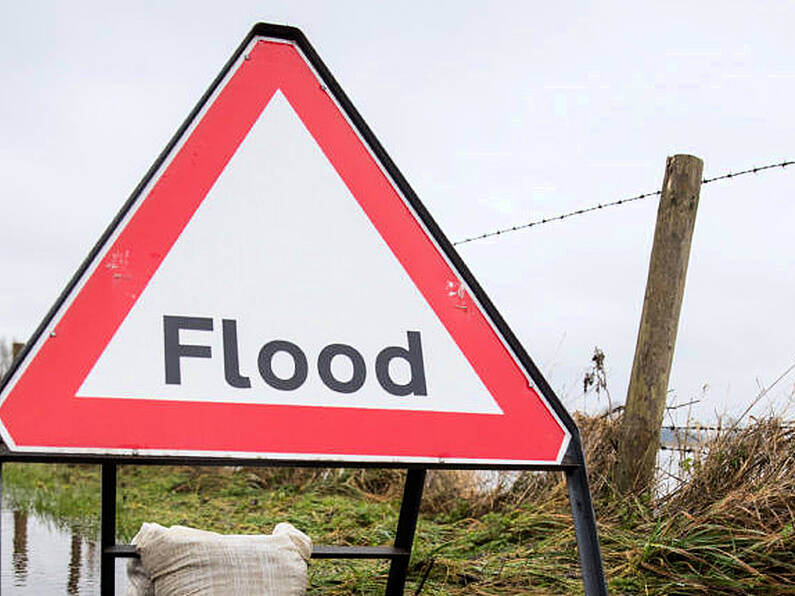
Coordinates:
(728, 428)
(755, 170)
(599, 206)
(699, 428)
(685, 449)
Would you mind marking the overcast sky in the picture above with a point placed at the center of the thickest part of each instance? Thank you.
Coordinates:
(497, 113)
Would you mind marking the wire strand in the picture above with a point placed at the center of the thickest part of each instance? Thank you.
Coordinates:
(720, 429)
(645, 195)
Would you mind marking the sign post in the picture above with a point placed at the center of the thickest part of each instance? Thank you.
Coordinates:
(274, 292)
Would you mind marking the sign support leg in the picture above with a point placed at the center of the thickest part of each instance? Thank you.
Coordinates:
(593, 575)
(407, 524)
(107, 577)
(1, 520)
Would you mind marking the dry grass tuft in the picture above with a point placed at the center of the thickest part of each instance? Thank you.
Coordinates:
(744, 476)
(600, 444)
(727, 527)
(449, 490)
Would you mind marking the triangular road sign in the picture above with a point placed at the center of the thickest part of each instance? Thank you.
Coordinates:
(274, 289)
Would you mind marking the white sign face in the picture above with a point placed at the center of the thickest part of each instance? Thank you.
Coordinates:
(281, 248)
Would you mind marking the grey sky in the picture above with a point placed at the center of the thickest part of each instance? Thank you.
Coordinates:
(497, 113)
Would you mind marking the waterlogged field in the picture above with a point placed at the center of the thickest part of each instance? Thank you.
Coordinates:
(727, 527)
(454, 549)
(50, 544)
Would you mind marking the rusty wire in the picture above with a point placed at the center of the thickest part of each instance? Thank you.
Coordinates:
(645, 195)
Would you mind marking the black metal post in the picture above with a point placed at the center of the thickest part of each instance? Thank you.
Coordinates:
(593, 575)
(407, 524)
(1, 518)
(107, 576)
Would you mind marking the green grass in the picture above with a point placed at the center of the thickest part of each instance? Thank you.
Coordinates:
(65, 495)
(464, 555)
(730, 529)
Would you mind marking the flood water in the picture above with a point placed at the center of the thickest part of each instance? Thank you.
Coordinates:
(42, 557)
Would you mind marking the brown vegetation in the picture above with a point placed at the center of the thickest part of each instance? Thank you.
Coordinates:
(725, 525)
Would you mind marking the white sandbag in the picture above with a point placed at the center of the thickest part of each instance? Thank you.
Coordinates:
(180, 561)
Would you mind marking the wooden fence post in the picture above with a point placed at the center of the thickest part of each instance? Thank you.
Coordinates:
(639, 438)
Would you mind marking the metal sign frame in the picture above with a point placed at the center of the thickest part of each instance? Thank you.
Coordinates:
(572, 462)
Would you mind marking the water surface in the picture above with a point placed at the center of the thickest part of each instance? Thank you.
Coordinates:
(43, 556)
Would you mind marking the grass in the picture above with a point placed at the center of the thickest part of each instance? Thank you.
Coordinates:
(727, 528)
(67, 495)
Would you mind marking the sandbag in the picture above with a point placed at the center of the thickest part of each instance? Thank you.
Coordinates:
(180, 561)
